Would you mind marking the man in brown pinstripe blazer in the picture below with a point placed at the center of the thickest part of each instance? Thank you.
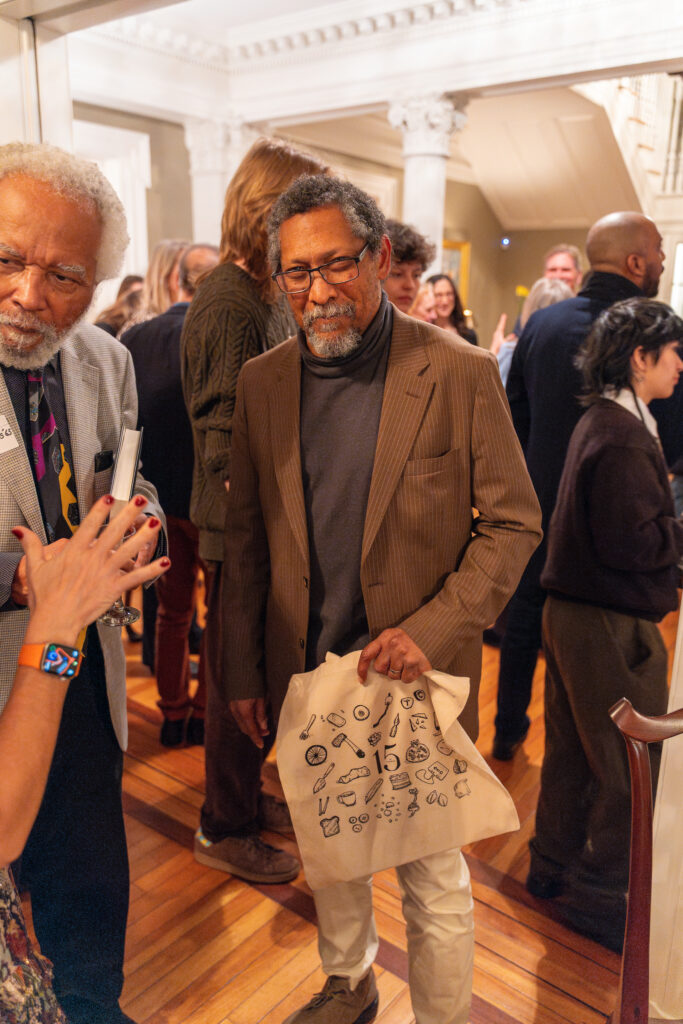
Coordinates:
(360, 448)
(63, 229)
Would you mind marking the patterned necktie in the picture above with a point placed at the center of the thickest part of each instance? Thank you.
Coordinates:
(54, 476)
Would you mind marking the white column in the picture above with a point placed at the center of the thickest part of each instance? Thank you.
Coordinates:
(427, 123)
(20, 119)
(54, 88)
(34, 85)
(216, 149)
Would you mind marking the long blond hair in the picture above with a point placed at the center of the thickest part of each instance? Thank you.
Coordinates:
(156, 296)
(266, 171)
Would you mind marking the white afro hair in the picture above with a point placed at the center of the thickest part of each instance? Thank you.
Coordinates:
(79, 180)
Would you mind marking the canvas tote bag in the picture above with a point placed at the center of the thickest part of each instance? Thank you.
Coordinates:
(382, 774)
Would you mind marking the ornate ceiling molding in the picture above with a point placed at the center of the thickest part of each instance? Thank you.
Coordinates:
(277, 48)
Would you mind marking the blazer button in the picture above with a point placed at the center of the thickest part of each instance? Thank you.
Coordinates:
(302, 642)
(306, 582)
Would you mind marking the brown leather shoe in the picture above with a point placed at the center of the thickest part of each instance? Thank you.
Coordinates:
(246, 857)
(338, 1004)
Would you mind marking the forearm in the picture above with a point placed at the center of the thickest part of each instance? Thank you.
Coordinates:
(28, 732)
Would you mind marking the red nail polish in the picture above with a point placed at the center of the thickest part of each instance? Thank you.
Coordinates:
(139, 500)
(165, 562)
(18, 532)
(153, 522)
(108, 499)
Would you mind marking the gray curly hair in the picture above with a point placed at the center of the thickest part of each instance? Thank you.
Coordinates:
(313, 191)
(79, 180)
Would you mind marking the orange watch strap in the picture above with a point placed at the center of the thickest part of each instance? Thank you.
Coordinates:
(31, 655)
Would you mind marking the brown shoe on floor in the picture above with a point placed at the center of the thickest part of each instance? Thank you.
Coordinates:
(246, 857)
(338, 1004)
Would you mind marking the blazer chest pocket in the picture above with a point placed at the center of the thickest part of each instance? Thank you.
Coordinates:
(102, 483)
(431, 467)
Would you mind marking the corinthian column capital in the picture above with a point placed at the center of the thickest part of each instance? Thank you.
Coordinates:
(427, 123)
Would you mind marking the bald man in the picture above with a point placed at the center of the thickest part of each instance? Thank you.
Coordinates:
(626, 259)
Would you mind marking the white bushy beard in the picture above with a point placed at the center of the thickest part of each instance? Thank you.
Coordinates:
(18, 354)
(317, 335)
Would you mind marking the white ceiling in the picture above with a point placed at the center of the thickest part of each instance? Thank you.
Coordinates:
(543, 159)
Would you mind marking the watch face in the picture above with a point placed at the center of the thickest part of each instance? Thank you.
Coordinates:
(62, 661)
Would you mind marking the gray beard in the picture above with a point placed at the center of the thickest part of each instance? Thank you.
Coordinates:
(21, 358)
(318, 338)
(337, 347)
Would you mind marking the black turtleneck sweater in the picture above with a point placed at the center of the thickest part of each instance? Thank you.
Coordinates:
(341, 404)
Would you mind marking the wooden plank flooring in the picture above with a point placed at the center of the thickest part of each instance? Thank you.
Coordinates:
(206, 948)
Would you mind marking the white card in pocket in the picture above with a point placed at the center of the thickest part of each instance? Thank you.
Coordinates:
(7, 439)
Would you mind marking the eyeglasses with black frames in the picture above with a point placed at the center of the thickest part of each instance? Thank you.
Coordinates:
(338, 271)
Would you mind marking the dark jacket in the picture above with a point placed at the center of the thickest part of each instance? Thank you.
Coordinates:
(614, 540)
(167, 453)
(543, 384)
(669, 415)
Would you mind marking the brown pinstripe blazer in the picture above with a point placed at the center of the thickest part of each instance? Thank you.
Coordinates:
(446, 445)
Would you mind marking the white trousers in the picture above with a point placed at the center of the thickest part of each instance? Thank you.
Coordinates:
(438, 910)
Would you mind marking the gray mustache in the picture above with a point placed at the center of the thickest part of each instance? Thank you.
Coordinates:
(27, 322)
(329, 309)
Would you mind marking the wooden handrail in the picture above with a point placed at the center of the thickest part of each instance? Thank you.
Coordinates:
(638, 730)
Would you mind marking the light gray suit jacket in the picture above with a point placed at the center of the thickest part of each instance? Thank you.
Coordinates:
(446, 446)
(100, 397)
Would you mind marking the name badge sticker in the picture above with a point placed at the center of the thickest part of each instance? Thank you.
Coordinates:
(7, 439)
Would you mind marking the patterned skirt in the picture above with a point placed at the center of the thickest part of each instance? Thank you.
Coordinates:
(26, 995)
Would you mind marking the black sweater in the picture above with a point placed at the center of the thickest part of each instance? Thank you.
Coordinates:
(614, 540)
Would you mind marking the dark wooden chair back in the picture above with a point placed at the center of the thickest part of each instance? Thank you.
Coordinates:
(639, 730)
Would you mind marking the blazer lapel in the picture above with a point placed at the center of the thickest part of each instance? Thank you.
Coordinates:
(284, 411)
(81, 386)
(16, 469)
(407, 391)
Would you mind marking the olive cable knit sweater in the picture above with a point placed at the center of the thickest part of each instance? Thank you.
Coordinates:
(227, 323)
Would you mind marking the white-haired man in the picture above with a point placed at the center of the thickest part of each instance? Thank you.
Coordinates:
(66, 388)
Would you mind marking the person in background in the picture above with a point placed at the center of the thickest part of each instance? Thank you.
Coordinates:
(561, 263)
(126, 303)
(543, 388)
(611, 574)
(159, 292)
(167, 456)
(160, 284)
(544, 292)
(423, 308)
(68, 588)
(411, 254)
(234, 316)
(450, 315)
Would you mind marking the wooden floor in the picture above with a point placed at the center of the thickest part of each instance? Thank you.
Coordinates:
(205, 948)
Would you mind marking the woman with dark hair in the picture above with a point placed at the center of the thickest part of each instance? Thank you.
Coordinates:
(611, 574)
(450, 314)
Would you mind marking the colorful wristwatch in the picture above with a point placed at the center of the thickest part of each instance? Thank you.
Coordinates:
(54, 658)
